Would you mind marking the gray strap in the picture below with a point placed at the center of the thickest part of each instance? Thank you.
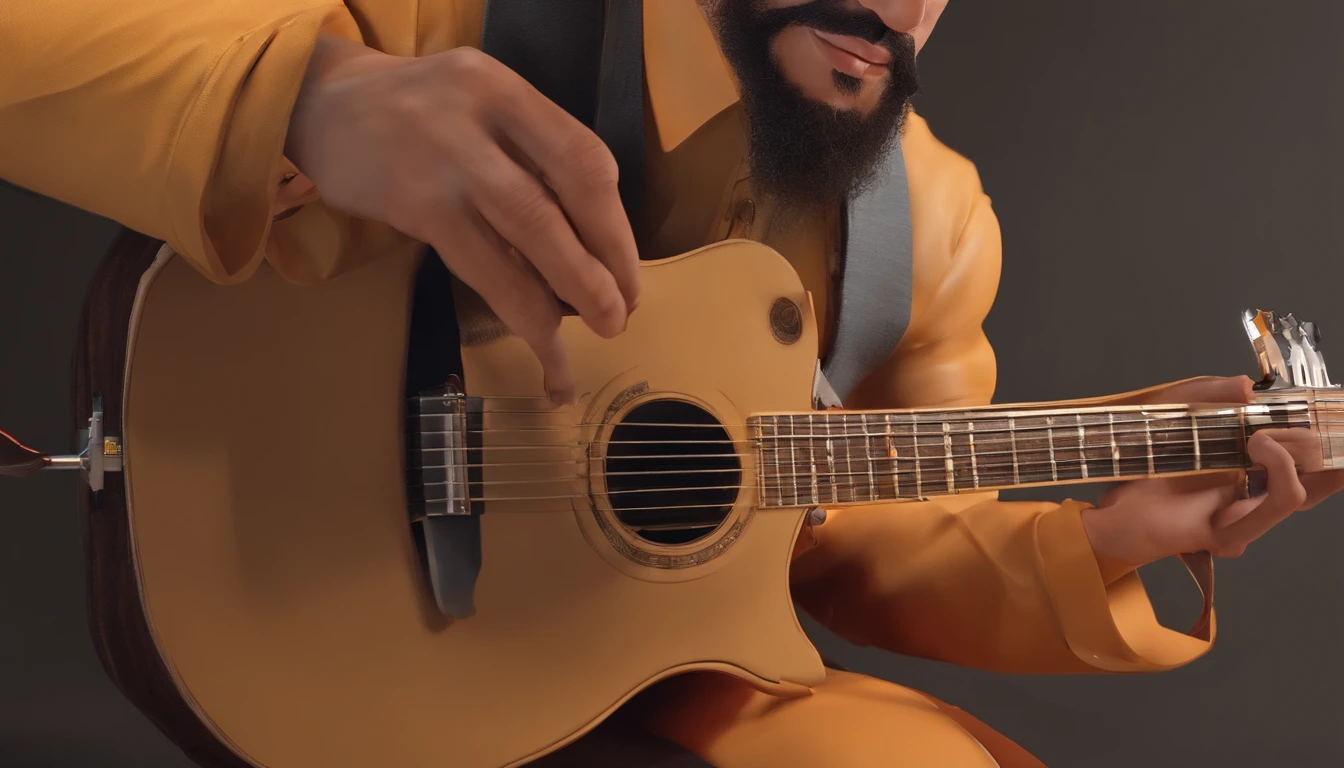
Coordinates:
(877, 278)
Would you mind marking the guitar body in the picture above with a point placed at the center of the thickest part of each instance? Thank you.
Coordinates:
(256, 583)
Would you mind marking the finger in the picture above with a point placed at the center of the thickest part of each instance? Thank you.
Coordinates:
(523, 302)
(1240, 524)
(574, 162)
(523, 212)
(1303, 444)
(1322, 485)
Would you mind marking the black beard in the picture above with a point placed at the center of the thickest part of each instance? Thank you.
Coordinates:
(804, 152)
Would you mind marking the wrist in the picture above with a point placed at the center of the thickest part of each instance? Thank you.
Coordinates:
(1110, 546)
(336, 61)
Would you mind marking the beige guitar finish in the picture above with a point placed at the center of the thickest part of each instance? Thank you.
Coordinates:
(264, 462)
(266, 487)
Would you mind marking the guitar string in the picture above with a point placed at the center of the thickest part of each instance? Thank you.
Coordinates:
(1062, 430)
(1318, 399)
(990, 466)
(904, 418)
(937, 482)
(781, 476)
(783, 442)
(1066, 450)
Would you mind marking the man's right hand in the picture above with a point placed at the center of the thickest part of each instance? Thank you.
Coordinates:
(456, 150)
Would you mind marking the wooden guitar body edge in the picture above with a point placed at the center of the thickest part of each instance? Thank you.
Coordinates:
(205, 679)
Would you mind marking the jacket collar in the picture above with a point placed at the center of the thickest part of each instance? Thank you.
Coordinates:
(689, 80)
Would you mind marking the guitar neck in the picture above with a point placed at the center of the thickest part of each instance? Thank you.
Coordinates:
(858, 457)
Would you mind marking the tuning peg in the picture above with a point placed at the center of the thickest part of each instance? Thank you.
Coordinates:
(1262, 328)
(1288, 350)
(1309, 340)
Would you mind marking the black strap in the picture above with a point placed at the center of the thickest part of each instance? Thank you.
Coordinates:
(620, 104)
(586, 56)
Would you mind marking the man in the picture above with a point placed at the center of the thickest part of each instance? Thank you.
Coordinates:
(299, 135)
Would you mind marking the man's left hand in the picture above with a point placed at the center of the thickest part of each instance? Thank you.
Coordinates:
(1143, 521)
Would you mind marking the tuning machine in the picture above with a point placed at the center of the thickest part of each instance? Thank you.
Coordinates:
(1289, 351)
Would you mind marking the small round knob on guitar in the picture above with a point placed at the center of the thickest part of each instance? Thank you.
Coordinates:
(786, 321)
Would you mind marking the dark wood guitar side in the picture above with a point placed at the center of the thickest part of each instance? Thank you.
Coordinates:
(115, 614)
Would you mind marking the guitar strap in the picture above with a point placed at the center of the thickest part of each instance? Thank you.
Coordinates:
(587, 56)
(876, 280)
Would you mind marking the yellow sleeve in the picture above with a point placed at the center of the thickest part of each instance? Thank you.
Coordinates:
(1006, 586)
(168, 116)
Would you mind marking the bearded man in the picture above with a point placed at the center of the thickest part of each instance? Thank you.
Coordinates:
(303, 136)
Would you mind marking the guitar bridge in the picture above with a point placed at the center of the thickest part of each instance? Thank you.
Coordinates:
(443, 472)
(443, 493)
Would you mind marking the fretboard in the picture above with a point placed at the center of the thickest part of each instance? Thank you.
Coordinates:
(851, 457)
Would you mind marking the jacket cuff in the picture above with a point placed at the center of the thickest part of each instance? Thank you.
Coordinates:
(1112, 628)
(234, 136)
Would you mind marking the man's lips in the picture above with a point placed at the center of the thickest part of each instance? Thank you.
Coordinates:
(852, 55)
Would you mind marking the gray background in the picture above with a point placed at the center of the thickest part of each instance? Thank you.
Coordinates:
(1157, 167)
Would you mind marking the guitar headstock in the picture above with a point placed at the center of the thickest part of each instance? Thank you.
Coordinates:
(1289, 351)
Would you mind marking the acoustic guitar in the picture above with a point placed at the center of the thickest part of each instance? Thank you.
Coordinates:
(295, 562)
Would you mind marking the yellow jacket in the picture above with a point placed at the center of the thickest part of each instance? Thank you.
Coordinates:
(170, 117)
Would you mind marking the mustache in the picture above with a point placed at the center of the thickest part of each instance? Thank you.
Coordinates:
(828, 16)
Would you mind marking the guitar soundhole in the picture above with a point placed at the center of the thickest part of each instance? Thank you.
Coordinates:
(672, 472)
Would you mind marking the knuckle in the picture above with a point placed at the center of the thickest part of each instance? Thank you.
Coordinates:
(592, 163)
(470, 61)
(526, 205)
(1298, 495)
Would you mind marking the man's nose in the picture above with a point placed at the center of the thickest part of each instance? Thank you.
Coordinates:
(900, 15)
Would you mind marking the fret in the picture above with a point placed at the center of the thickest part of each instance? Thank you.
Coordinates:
(1171, 439)
(1070, 460)
(830, 461)
(1115, 447)
(894, 455)
(1131, 445)
(1036, 449)
(764, 476)
(1050, 435)
(1012, 436)
(919, 474)
(1148, 436)
(970, 439)
(812, 459)
(1194, 434)
(793, 459)
(1099, 453)
(947, 458)
(849, 460)
(1241, 420)
(1082, 443)
(868, 457)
